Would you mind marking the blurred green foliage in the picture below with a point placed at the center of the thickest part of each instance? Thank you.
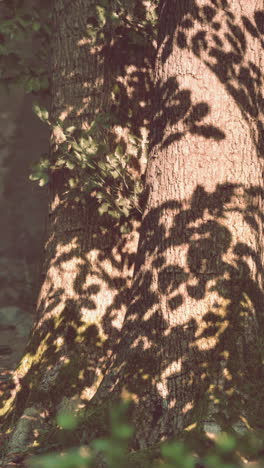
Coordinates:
(25, 30)
(225, 451)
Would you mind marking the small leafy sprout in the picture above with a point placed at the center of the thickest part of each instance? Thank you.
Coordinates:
(93, 167)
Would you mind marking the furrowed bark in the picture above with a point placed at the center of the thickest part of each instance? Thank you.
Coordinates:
(88, 262)
(192, 339)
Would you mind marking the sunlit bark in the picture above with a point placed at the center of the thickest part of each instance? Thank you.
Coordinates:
(88, 262)
(193, 333)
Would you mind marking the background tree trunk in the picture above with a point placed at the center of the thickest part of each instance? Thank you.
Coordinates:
(88, 262)
(193, 333)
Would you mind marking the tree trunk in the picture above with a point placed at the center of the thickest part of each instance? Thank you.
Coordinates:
(193, 332)
(88, 262)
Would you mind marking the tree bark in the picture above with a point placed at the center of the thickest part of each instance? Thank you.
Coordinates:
(192, 338)
(88, 262)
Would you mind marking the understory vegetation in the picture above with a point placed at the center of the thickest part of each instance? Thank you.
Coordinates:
(193, 450)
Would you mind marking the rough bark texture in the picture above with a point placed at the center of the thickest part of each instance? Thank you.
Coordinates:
(192, 339)
(88, 263)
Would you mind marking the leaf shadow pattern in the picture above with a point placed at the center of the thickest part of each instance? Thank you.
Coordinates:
(178, 107)
(192, 365)
(221, 43)
(192, 343)
(164, 363)
(88, 261)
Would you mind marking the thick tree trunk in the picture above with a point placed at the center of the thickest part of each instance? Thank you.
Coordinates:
(193, 333)
(88, 262)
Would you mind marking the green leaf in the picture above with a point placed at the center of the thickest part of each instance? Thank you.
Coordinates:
(101, 15)
(60, 162)
(114, 174)
(103, 208)
(119, 151)
(125, 228)
(71, 129)
(43, 180)
(78, 154)
(41, 112)
(72, 183)
(70, 165)
(116, 90)
(35, 176)
(90, 164)
(125, 211)
(114, 213)
(103, 166)
(76, 146)
(89, 186)
(111, 158)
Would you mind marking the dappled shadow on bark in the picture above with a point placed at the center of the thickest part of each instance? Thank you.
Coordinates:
(192, 334)
(88, 261)
(221, 42)
(204, 360)
(192, 345)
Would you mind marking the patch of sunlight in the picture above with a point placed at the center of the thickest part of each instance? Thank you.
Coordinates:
(142, 340)
(59, 342)
(247, 303)
(7, 407)
(188, 407)
(209, 343)
(25, 364)
(88, 392)
(172, 370)
(64, 114)
(145, 376)
(29, 359)
(126, 395)
(191, 427)
(82, 42)
(172, 403)
(227, 374)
